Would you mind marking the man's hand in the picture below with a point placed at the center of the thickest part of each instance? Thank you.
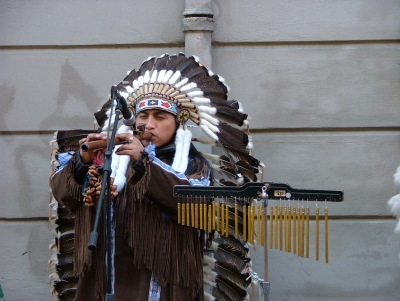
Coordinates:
(88, 156)
(133, 148)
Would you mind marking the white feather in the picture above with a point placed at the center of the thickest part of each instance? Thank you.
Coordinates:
(120, 177)
(208, 132)
(167, 76)
(214, 246)
(146, 77)
(208, 297)
(206, 141)
(195, 93)
(181, 83)
(209, 125)
(201, 100)
(115, 162)
(135, 84)
(209, 273)
(129, 89)
(154, 76)
(211, 157)
(161, 75)
(124, 94)
(209, 118)
(208, 282)
(397, 229)
(240, 179)
(140, 81)
(174, 78)
(205, 109)
(119, 164)
(188, 87)
(394, 205)
(209, 261)
(241, 110)
(187, 139)
(396, 177)
(179, 147)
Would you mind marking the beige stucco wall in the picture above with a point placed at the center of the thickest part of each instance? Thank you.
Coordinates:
(320, 79)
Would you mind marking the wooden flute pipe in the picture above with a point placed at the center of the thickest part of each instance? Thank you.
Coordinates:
(245, 223)
(259, 225)
(179, 214)
(317, 233)
(192, 215)
(187, 214)
(294, 230)
(280, 228)
(308, 232)
(263, 221)
(226, 220)
(326, 237)
(276, 209)
(236, 221)
(271, 227)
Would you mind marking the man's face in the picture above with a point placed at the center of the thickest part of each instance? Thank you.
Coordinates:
(161, 125)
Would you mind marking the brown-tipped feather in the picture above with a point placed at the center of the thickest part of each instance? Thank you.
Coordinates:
(241, 280)
(233, 243)
(243, 156)
(229, 142)
(131, 77)
(61, 286)
(230, 115)
(220, 295)
(161, 62)
(146, 65)
(210, 85)
(101, 115)
(186, 65)
(247, 170)
(230, 261)
(224, 182)
(196, 73)
(233, 291)
(225, 160)
(231, 173)
(69, 140)
(223, 102)
(174, 61)
(67, 295)
(234, 133)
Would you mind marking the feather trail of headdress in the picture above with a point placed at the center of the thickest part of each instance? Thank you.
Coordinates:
(394, 202)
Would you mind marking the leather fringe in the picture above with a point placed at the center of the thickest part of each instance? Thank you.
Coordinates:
(172, 252)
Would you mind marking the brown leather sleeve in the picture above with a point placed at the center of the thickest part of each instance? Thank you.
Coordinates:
(161, 189)
(64, 187)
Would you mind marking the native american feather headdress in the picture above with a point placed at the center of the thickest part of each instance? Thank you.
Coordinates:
(191, 91)
(197, 97)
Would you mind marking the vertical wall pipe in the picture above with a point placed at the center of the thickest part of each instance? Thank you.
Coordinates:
(198, 26)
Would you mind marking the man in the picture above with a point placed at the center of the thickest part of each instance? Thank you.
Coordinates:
(155, 257)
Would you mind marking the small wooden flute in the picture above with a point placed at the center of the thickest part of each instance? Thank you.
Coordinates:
(99, 144)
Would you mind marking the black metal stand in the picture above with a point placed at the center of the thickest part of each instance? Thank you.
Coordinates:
(104, 205)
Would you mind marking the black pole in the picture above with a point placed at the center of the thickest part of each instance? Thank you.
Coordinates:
(106, 204)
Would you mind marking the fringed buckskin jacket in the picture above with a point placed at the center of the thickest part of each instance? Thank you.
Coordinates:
(149, 243)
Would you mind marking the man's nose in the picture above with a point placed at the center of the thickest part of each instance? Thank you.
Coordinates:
(150, 123)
